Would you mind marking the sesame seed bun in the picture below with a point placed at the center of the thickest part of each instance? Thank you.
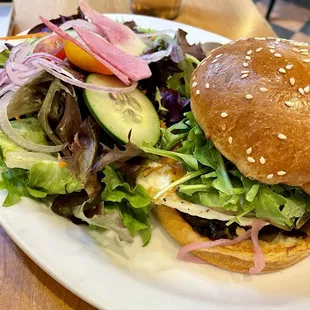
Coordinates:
(251, 97)
(280, 253)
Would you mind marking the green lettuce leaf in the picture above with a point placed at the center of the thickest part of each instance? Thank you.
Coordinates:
(30, 129)
(15, 182)
(49, 177)
(133, 203)
(180, 81)
(222, 187)
(7, 145)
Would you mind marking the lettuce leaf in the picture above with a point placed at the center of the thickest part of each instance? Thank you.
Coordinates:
(223, 187)
(49, 177)
(4, 55)
(7, 145)
(133, 203)
(15, 182)
(30, 129)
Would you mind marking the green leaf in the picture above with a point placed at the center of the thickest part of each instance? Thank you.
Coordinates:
(7, 145)
(13, 180)
(117, 190)
(36, 193)
(188, 160)
(181, 81)
(53, 179)
(3, 57)
(137, 223)
(30, 129)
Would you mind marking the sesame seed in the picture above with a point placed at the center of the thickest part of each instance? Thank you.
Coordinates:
(272, 51)
(207, 85)
(301, 90)
(258, 49)
(307, 89)
(224, 127)
(245, 64)
(304, 53)
(306, 60)
(262, 160)
(243, 76)
(276, 42)
(248, 57)
(282, 70)
(230, 139)
(249, 52)
(194, 77)
(304, 50)
(297, 44)
(251, 159)
(289, 103)
(260, 39)
(270, 176)
(197, 92)
(294, 49)
(292, 81)
(289, 67)
(263, 89)
(281, 136)
(224, 114)
(277, 55)
(194, 84)
(214, 60)
(281, 173)
(248, 96)
(271, 46)
(249, 151)
(219, 55)
(245, 71)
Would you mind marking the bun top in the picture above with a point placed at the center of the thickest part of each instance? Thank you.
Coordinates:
(252, 99)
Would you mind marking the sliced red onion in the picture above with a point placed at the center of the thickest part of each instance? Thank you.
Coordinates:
(259, 258)
(40, 55)
(13, 76)
(50, 68)
(5, 89)
(18, 139)
(79, 22)
(3, 78)
(156, 33)
(24, 75)
(157, 55)
(19, 52)
(184, 253)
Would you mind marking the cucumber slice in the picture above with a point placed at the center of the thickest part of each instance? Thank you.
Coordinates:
(117, 114)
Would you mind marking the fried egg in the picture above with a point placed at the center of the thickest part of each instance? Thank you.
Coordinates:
(156, 176)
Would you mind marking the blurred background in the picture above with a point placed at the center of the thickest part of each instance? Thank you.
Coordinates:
(290, 19)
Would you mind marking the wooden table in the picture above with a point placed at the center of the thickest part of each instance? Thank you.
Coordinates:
(23, 285)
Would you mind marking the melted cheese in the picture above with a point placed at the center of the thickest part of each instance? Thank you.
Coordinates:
(156, 177)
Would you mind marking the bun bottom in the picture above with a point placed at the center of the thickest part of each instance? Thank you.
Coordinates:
(280, 253)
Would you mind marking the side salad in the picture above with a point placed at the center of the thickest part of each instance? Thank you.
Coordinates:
(73, 123)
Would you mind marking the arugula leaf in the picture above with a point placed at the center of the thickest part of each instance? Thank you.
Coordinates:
(226, 189)
(188, 160)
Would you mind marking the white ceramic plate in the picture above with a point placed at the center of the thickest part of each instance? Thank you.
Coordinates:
(113, 276)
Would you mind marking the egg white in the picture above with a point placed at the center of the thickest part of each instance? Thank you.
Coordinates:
(155, 176)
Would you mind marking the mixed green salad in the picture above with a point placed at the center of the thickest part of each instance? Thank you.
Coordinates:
(80, 148)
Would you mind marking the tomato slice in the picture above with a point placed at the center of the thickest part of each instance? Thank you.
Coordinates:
(53, 45)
